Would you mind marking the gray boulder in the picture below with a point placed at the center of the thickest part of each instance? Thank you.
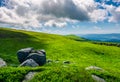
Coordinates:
(38, 57)
(23, 53)
(29, 62)
(98, 79)
(2, 63)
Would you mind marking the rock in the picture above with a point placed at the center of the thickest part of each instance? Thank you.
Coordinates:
(56, 61)
(29, 76)
(49, 61)
(93, 68)
(39, 58)
(2, 63)
(29, 62)
(98, 79)
(118, 45)
(23, 53)
(66, 62)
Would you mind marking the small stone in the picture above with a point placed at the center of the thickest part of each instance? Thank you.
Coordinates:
(56, 61)
(93, 68)
(2, 63)
(118, 45)
(29, 76)
(65, 66)
(49, 61)
(98, 79)
(29, 62)
(66, 62)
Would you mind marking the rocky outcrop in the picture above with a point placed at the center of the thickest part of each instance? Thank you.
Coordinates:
(31, 57)
(2, 63)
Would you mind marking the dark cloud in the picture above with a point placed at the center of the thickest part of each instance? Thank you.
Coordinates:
(64, 8)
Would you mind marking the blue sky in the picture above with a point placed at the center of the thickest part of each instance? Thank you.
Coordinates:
(62, 16)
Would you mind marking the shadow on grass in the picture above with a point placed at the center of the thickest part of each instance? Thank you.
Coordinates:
(4, 33)
(11, 41)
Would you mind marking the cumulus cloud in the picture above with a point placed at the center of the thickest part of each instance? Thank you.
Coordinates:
(35, 12)
(114, 13)
(52, 13)
(99, 15)
(116, 1)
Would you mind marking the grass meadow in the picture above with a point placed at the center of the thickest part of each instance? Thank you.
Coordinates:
(80, 52)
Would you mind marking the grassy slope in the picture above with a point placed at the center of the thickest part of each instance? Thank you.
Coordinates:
(81, 53)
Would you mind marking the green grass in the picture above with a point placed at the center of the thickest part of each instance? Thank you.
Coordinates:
(79, 52)
(74, 37)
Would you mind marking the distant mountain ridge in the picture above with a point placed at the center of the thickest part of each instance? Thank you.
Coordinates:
(114, 37)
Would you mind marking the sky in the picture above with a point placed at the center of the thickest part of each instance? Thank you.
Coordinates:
(62, 16)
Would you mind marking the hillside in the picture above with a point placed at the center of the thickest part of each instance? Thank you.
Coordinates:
(79, 52)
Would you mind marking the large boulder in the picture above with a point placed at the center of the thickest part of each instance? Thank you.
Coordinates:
(2, 63)
(29, 62)
(39, 57)
(23, 53)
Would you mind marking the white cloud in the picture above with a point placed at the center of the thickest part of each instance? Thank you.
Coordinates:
(34, 12)
(55, 24)
(114, 13)
(116, 1)
(115, 16)
(99, 15)
(39, 13)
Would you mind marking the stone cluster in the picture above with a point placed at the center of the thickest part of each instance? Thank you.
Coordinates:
(31, 57)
